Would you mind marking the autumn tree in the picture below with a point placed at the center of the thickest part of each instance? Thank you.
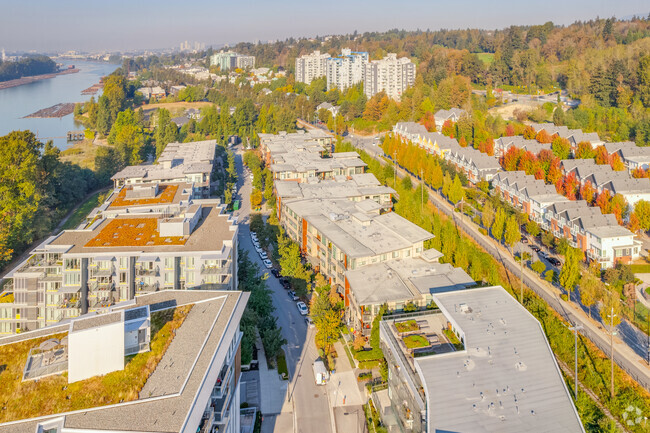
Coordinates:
(585, 150)
(642, 212)
(499, 224)
(611, 304)
(487, 216)
(570, 273)
(561, 147)
(532, 228)
(512, 233)
(456, 192)
(591, 290)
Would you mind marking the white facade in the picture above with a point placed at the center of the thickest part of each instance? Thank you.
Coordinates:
(346, 70)
(390, 75)
(95, 351)
(311, 66)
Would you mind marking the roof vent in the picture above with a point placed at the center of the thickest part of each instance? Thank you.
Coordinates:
(464, 308)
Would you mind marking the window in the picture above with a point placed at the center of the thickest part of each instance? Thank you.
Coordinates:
(72, 279)
(189, 262)
(189, 278)
(169, 263)
(122, 277)
(169, 277)
(124, 262)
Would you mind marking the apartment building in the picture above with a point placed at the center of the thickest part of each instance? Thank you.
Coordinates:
(500, 376)
(194, 386)
(390, 75)
(598, 236)
(337, 235)
(311, 66)
(346, 70)
(144, 239)
(230, 60)
(356, 187)
(179, 162)
(314, 140)
(633, 156)
(397, 283)
(301, 167)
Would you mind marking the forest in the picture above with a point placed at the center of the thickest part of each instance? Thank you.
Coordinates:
(26, 68)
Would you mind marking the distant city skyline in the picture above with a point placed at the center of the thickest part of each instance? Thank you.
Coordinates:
(46, 26)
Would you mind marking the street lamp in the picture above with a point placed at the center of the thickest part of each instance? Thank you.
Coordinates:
(575, 330)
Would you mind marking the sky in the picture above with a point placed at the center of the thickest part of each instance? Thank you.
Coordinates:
(119, 25)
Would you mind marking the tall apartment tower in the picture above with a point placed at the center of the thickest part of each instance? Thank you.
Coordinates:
(311, 66)
(390, 74)
(346, 70)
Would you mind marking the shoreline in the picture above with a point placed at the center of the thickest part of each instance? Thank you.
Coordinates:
(28, 80)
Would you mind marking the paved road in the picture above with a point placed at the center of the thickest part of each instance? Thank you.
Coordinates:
(311, 409)
(629, 354)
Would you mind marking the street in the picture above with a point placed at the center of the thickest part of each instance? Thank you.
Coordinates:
(305, 402)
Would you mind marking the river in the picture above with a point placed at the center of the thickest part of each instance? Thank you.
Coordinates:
(17, 102)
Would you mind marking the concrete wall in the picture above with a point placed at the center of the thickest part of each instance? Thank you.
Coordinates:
(95, 351)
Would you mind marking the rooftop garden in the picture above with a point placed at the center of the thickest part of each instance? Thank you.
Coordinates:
(415, 341)
(166, 194)
(406, 326)
(142, 232)
(53, 394)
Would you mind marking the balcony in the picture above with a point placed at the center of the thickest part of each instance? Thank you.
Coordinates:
(213, 270)
(104, 286)
(102, 272)
(140, 347)
(146, 287)
(101, 303)
(148, 271)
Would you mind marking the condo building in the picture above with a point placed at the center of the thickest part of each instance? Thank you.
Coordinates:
(311, 66)
(346, 70)
(390, 75)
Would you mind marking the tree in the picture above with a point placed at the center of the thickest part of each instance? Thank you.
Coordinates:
(327, 321)
(436, 176)
(512, 233)
(456, 192)
(538, 267)
(532, 228)
(446, 184)
(499, 224)
(256, 198)
(611, 301)
(642, 212)
(591, 289)
(487, 216)
(570, 273)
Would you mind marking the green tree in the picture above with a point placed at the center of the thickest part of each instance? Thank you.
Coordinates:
(436, 177)
(611, 301)
(446, 184)
(512, 233)
(487, 215)
(570, 273)
(499, 224)
(591, 290)
(642, 212)
(327, 321)
(456, 192)
(538, 267)
(532, 228)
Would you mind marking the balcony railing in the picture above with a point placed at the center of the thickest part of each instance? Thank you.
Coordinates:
(144, 287)
(103, 272)
(102, 303)
(140, 347)
(213, 270)
(148, 271)
(102, 286)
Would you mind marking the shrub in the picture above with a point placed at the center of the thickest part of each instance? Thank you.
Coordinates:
(415, 341)
(407, 326)
(548, 276)
(367, 375)
(538, 267)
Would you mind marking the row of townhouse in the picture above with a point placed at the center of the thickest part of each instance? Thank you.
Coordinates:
(602, 177)
(179, 162)
(157, 238)
(575, 136)
(633, 156)
(391, 75)
(475, 164)
(598, 236)
(194, 385)
(411, 130)
(503, 144)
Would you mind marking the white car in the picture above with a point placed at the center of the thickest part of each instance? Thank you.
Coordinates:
(263, 255)
(302, 308)
(255, 243)
(268, 264)
(253, 236)
(258, 249)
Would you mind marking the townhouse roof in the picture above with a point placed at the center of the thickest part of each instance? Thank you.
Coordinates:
(575, 135)
(171, 393)
(356, 230)
(506, 379)
(406, 279)
(443, 142)
(446, 114)
(410, 128)
(476, 158)
(535, 189)
(627, 149)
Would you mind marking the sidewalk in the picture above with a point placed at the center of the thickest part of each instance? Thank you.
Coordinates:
(277, 413)
(346, 400)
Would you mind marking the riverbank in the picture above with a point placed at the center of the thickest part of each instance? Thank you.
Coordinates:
(81, 153)
(28, 80)
(58, 110)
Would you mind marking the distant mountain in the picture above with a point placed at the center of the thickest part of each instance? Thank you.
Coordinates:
(629, 17)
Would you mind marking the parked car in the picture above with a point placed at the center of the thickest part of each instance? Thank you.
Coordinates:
(524, 240)
(258, 249)
(292, 295)
(302, 308)
(268, 263)
(275, 273)
(542, 254)
(554, 261)
(254, 236)
(535, 248)
(263, 255)
(285, 283)
(309, 322)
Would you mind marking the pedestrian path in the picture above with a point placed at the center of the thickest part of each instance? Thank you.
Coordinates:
(273, 390)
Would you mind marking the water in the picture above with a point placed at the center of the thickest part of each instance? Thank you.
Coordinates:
(21, 101)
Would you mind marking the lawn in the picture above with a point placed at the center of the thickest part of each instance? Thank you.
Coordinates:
(641, 269)
(133, 232)
(486, 58)
(407, 326)
(453, 339)
(415, 341)
(79, 215)
(53, 394)
(282, 365)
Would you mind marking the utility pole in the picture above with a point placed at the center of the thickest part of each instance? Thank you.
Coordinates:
(521, 275)
(611, 342)
(575, 330)
(394, 168)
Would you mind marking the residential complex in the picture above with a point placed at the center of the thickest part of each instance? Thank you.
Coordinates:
(575, 136)
(599, 236)
(311, 66)
(503, 144)
(390, 75)
(229, 60)
(346, 70)
(179, 162)
(633, 156)
(143, 239)
(452, 115)
(483, 364)
(191, 382)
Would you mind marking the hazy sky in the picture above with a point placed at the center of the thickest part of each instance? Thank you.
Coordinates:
(48, 25)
